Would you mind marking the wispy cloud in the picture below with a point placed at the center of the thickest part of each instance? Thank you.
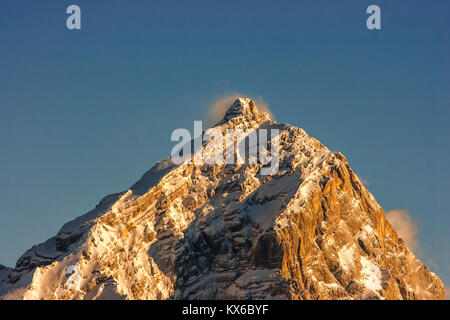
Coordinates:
(263, 106)
(363, 181)
(406, 228)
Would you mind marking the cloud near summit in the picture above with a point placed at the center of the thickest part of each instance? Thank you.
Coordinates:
(406, 229)
(217, 110)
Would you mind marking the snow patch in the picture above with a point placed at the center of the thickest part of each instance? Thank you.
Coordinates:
(371, 275)
(347, 257)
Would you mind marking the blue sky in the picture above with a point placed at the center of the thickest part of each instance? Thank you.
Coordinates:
(85, 113)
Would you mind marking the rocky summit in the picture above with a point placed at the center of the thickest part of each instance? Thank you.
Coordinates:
(225, 231)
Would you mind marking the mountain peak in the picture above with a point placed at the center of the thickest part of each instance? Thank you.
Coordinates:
(241, 106)
(310, 230)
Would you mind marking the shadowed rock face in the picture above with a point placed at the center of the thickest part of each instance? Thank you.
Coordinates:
(310, 231)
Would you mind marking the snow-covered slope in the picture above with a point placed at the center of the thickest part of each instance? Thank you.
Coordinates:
(310, 231)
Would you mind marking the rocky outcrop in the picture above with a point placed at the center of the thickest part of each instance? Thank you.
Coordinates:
(309, 231)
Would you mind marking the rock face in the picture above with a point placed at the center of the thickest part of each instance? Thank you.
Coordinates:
(309, 231)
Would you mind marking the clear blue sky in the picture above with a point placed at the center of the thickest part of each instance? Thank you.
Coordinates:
(86, 113)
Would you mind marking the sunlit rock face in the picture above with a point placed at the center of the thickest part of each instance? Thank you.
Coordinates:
(309, 231)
